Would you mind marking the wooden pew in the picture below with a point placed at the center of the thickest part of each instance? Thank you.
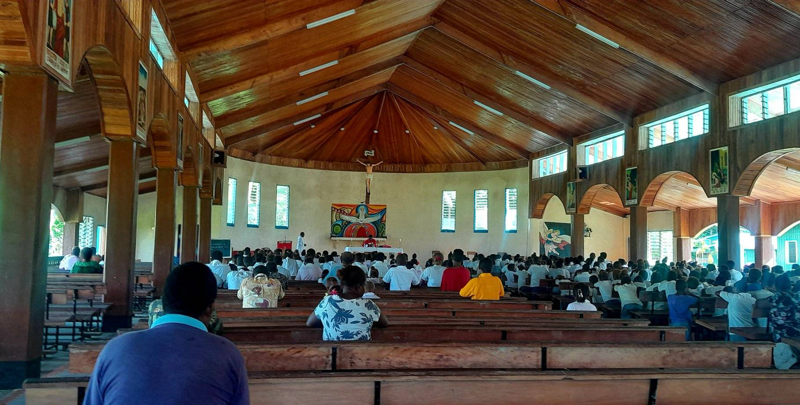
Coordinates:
(406, 312)
(734, 387)
(359, 356)
(403, 302)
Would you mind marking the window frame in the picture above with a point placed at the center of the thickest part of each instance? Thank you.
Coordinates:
(90, 227)
(288, 204)
(555, 161)
(516, 210)
(475, 212)
(589, 150)
(250, 186)
(739, 111)
(671, 125)
(454, 200)
(788, 252)
(230, 214)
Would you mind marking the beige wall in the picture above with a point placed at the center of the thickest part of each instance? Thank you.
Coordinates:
(413, 207)
(94, 206)
(659, 221)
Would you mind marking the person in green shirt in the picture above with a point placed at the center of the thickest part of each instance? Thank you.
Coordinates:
(86, 265)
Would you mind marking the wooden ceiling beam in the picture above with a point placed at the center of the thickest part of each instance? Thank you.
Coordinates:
(91, 129)
(513, 65)
(436, 110)
(468, 92)
(81, 167)
(362, 57)
(257, 108)
(575, 15)
(265, 129)
(272, 29)
(792, 6)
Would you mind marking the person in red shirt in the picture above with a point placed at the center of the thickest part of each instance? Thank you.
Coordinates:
(456, 277)
(370, 242)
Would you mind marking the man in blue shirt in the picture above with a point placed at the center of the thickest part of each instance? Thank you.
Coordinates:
(176, 361)
(680, 304)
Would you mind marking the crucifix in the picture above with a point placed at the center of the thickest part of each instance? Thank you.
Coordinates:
(369, 177)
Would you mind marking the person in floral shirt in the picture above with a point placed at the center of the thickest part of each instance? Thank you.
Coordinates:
(274, 273)
(260, 291)
(348, 316)
(784, 317)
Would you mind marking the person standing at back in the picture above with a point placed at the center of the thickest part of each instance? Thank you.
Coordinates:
(485, 286)
(301, 242)
(176, 360)
(456, 277)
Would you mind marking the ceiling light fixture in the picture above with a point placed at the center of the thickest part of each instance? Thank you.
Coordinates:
(408, 132)
(313, 126)
(341, 129)
(318, 68)
(75, 141)
(332, 18)
(532, 80)
(487, 108)
(436, 128)
(597, 36)
(312, 98)
(313, 117)
(461, 128)
(375, 131)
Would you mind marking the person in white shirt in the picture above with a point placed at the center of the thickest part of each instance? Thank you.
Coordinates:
(433, 274)
(538, 272)
(309, 271)
(628, 297)
(69, 260)
(400, 277)
(219, 269)
(510, 276)
(583, 276)
(580, 304)
(380, 264)
(278, 264)
(235, 278)
(360, 263)
(290, 264)
(740, 310)
(301, 242)
(605, 287)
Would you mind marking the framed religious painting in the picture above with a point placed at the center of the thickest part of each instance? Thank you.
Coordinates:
(141, 103)
(58, 36)
(632, 186)
(719, 171)
(571, 201)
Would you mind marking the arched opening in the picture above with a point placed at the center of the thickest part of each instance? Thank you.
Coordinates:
(112, 94)
(676, 189)
(758, 167)
(56, 244)
(705, 246)
(603, 197)
(160, 141)
(541, 205)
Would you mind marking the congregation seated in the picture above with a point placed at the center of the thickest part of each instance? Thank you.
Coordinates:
(70, 259)
(347, 315)
(401, 277)
(310, 270)
(219, 269)
(162, 364)
(86, 264)
(261, 291)
(485, 286)
(369, 288)
(456, 277)
(581, 296)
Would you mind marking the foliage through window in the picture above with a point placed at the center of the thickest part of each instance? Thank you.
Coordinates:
(553, 164)
(659, 246)
(688, 124)
(481, 223)
(448, 211)
(776, 100)
(86, 232)
(604, 148)
(56, 235)
(253, 204)
(511, 210)
(282, 208)
(231, 202)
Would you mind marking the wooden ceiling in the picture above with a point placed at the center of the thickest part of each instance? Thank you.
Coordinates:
(411, 65)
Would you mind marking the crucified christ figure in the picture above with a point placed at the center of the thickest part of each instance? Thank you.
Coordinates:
(369, 176)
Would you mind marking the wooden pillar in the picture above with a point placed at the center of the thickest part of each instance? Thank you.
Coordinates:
(204, 250)
(27, 139)
(578, 245)
(164, 249)
(680, 230)
(123, 193)
(764, 250)
(728, 226)
(73, 216)
(70, 237)
(638, 238)
(189, 234)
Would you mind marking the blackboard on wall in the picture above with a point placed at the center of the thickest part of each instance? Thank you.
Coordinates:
(223, 245)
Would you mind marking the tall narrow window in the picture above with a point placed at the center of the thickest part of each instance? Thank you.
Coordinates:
(231, 202)
(791, 251)
(481, 224)
(253, 204)
(448, 211)
(282, 208)
(159, 58)
(86, 232)
(511, 210)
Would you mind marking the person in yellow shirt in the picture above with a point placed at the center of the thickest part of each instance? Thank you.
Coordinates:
(485, 286)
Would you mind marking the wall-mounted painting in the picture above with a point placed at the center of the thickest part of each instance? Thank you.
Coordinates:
(632, 186)
(571, 203)
(358, 220)
(555, 239)
(141, 103)
(718, 166)
(58, 39)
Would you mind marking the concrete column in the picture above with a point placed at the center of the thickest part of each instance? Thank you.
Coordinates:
(578, 244)
(27, 139)
(728, 226)
(204, 250)
(164, 249)
(189, 234)
(680, 230)
(123, 193)
(638, 241)
(765, 250)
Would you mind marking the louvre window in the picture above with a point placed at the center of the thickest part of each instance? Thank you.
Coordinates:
(231, 202)
(687, 124)
(86, 232)
(481, 224)
(253, 204)
(282, 208)
(448, 211)
(552, 164)
(511, 210)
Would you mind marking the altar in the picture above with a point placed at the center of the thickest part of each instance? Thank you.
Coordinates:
(373, 249)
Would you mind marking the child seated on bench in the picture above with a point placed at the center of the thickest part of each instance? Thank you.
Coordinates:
(369, 287)
(680, 305)
(580, 304)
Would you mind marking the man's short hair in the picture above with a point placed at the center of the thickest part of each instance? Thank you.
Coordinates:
(486, 265)
(76, 251)
(359, 257)
(216, 255)
(352, 277)
(189, 290)
(458, 257)
(87, 253)
(348, 258)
